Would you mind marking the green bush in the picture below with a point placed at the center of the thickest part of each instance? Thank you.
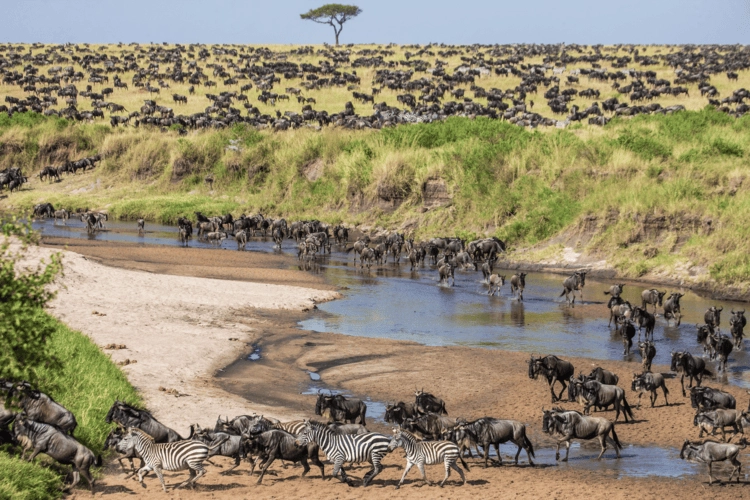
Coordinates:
(644, 145)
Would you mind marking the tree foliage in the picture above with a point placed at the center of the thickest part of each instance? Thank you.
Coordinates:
(335, 14)
(24, 327)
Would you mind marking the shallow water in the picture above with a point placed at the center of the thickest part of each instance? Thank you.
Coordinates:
(393, 302)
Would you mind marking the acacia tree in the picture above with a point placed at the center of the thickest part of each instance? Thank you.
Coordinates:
(335, 14)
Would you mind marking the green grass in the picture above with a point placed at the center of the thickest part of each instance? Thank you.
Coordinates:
(86, 383)
(503, 180)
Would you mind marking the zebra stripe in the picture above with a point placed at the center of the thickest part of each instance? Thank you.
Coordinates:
(179, 455)
(294, 428)
(420, 453)
(340, 448)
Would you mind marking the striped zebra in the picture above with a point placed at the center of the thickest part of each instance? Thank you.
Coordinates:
(179, 455)
(294, 427)
(340, 448)
(420, 453)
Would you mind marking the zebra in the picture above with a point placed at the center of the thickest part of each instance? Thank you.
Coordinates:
(420, 453)
(340, 448)
(179, 455)
(294, 427)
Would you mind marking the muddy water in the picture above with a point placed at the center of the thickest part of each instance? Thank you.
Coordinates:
(393, 302)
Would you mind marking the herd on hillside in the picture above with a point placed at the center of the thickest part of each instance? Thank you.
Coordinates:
(61, 80)
(35, 422)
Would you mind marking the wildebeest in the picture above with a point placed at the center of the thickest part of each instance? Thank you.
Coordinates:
(553, 369)
(708, 398)
(430, 425)
(61, 214)
(241, 237)
(50, 440)
(397, 413)
(615, 290)
(619, 309)
(221, 444)
(493, 432)
(653, 297)
(709, 421)
(517, 284)
(688, 365)
(354, 410)
(709, 452)
(39, 407)
(604, 376)
(573, 283)
(737, 323)
(602, 395)
(713, 318)
(672, 308)
(649, 382)
(428, 403)
(627, 332)
(50, 173)
(647, 351)
(495, 283)
(114, 437)
(141, 226)
(644, 319)
(273, 444)
(723, 348)
(446, 271)
(569, 425)
(126, 415)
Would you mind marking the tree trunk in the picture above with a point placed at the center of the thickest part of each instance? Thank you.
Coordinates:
(337, 38)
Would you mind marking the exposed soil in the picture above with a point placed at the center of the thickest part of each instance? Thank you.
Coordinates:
(178, 328)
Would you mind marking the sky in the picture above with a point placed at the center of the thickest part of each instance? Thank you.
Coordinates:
(382, 21)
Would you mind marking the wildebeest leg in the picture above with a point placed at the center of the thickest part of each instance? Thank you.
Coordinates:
(316, 461)
(567, 450)
(236, 464)
(737, 468)
(603, 443)
(77, 478)
(34, 454)
(305, 466)
(406, 471)
(266, 464)
(564, 386)
(454, 465)
(682, 383)
(497, 451)
(710, 476)
(518, 451)
(87, 474)
(486, 447)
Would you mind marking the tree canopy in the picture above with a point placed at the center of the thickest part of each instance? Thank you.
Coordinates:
(335, 14)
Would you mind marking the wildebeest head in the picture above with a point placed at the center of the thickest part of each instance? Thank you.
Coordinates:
(551, 420)
(703, 333)
(320, 404)
(581, 278)
(660, 296)
(676, 361)
(25, 389)
(534, 367)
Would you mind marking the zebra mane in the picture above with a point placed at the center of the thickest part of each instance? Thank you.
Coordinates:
(141, 432)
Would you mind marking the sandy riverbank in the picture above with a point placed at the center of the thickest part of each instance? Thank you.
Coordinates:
(177, 327)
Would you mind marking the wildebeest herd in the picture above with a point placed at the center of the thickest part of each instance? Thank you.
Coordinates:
(425, 431)
(406, 85)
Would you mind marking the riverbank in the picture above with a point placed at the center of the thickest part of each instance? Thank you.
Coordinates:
(474, 382)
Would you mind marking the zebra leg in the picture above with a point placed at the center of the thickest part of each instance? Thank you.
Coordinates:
(376, 469)
(160, 475)
(448, 465)
(339, 469)
(460, 472)
(420, 466)
(143, 472)
(201, 472)
(406, 471)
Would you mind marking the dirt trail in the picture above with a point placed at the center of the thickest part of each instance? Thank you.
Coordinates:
(178, 328)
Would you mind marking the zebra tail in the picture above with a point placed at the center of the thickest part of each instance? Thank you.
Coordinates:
(217, 445)
(463, 462)
(98, 461)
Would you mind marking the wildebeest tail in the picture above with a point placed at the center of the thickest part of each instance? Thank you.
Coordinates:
(463, 462)
(529, 447)
(614, 437)
(362, 411)
(563, 292)
(606, 293)
(98, 462)
(707, 372)
(626, 408)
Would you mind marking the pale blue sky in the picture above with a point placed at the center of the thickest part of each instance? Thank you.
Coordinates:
(383, 21)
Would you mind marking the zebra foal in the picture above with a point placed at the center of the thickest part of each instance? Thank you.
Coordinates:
(420, 453)
(158, 457)
(339, 448)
